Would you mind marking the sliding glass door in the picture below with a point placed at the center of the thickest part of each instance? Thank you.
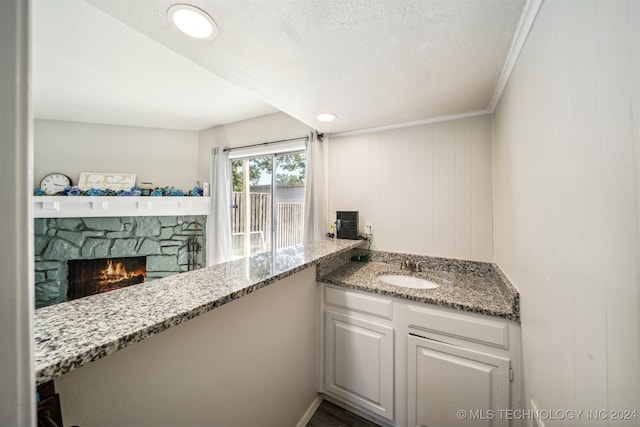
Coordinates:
(268, 202)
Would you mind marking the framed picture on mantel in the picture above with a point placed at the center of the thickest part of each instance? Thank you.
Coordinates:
(106, 181)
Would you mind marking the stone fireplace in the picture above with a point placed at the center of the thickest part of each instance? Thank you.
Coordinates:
(168, 244)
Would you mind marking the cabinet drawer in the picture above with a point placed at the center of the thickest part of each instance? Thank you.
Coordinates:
(474, 328)
(359, 302)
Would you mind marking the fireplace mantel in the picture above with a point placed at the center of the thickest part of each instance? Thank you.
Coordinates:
(114, 206)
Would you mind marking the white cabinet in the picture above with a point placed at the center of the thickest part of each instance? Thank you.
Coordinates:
(359, 362)
(444, 379)
(359, 350)
(406, 363)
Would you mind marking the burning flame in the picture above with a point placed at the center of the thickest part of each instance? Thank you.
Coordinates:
(115, 273)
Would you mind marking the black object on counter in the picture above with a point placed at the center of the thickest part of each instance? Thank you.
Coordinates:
(347, 224)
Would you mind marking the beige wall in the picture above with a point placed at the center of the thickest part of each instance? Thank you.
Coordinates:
(165, 157)
(270, 127)
(251, 362)
(426, 188)
(566, 227)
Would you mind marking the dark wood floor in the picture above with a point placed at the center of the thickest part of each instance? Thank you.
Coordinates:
(330, 415)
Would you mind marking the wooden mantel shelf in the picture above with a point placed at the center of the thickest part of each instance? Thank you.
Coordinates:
(101, 206)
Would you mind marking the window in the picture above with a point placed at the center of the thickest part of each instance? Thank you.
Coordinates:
(259, 224)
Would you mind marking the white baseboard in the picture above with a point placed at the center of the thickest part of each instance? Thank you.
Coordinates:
(310, 411)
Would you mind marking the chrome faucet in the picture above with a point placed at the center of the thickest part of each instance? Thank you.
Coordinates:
(418, 268)
(408, 265)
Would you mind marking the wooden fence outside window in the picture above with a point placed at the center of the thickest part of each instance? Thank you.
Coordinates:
(289, 221)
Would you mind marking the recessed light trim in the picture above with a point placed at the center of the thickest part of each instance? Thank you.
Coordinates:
(192, 21)
(326, 117)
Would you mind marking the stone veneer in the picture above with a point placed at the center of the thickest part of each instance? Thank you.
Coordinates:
(163, 239)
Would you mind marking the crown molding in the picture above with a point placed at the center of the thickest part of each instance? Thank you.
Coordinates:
(411, 124)
(528, 17)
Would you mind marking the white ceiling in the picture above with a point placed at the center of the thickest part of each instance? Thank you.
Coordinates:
(371, 62)
(90, 67)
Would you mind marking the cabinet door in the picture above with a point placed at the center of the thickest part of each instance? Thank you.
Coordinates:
(359, 362)
(444, 379)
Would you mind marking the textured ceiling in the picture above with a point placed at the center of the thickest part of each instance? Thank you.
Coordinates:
(371, 62)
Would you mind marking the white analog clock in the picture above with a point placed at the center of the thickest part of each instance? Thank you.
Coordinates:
(54, 183)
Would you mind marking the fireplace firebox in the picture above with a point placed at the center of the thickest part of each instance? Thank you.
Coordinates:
(94, 276)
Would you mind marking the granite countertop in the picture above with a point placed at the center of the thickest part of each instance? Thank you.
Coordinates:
(74, 333)
(464, 285)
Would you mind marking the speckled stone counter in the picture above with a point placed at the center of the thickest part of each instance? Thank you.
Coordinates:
(71, 334)
(464, 285)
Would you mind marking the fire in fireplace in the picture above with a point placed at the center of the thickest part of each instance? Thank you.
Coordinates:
(94, 276)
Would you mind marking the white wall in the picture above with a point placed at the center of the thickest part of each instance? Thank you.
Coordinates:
(17, 379)
(566, 226)
(271, 127)
(162, 156)
(426, 188)
(251, 362)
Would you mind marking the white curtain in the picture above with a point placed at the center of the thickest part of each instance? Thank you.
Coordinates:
(315, 194)
(220, 221)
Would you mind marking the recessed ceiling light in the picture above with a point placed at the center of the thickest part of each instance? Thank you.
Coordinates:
(326, 117)
(192, 21)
